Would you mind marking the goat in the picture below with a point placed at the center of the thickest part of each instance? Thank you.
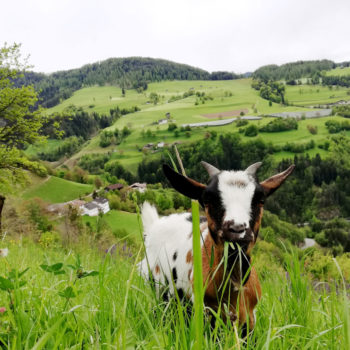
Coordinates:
(233, 202)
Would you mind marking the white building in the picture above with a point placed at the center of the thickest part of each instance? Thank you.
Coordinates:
(103, 204)
(95, 207)
(90, 209)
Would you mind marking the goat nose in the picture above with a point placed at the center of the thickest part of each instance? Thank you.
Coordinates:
(234, 227)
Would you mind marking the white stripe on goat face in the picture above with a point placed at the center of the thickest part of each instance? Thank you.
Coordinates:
(237, 190)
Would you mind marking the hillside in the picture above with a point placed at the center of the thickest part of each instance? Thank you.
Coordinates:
(293, 70)
(220, 98)
(129, 72)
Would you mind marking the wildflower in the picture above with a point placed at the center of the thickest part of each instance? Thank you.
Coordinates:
(4, 252)
(2, 310)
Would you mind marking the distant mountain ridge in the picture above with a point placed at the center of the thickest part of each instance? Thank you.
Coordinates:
(130, 72)
(137, 72)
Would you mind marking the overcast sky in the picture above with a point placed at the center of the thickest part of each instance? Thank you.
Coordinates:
(232, 35)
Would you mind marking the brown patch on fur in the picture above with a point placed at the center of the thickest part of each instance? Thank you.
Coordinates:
(157, 269)
(189, 274)
(256, 229)
(211, 223)
(203, 227)
(238, 183)
(248, 298)
(189, 257)
(212, 280)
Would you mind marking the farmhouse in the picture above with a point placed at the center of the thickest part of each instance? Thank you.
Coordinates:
(102, 203)
(114, 187)
(141, 187)
(90, 209)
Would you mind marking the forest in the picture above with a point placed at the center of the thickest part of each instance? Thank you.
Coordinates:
(293, 70)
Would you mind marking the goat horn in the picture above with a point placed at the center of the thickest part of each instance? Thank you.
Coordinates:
(251, 170)
(212, 171)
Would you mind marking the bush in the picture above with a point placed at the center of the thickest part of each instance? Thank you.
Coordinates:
(334, 126)
(280, 124)
(251, 130)
(241, 122)
(172, 126)
(312, 129)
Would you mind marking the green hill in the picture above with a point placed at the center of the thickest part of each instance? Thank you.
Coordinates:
(233, 96)
(57, 190)
(129, 72)
(339, 71)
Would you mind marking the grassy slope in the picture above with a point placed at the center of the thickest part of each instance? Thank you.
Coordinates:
(304, 95)
(339, 71)
(185, 111)
(117, 309)
(119, 220)
(57, 190)
(47, 146)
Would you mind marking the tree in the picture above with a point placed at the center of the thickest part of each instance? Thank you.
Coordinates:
(20, 121)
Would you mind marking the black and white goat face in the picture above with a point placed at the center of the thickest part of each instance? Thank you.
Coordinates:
(233, 200)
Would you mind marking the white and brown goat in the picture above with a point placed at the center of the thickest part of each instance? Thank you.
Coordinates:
(233, 203)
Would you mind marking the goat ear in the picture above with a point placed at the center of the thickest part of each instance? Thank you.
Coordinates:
(271, 184)
(184, 185)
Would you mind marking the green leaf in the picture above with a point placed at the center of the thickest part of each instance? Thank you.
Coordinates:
(212, 257)
(52, 268)
(67, 293)
(23, 272)
(5, 284)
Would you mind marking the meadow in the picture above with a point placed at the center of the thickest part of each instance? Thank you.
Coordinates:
(313, 95)
(56, 190)
(234, 95)
(339, 71)
(70, 298)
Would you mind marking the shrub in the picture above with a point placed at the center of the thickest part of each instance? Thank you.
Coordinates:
(251, 130)
(312, 129)
(280, 124)
(241, 122)
(172, 126)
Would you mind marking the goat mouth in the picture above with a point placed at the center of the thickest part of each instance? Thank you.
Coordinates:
(237, 236)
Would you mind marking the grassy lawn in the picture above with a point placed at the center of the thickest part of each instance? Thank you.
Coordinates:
(57, 190)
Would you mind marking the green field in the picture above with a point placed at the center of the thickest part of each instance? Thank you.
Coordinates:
(117, 309)
(45, 146)
(339, 71)
(231, 95)
(119, 220)
(308, 95)
(57, 190)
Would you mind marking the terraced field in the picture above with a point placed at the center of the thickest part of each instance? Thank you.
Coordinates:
(224, 96)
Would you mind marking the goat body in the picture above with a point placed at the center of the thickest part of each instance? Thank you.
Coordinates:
(233, 203)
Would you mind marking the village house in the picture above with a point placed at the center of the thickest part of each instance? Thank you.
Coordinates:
(90, 209)
(141, 187)
(102, 203)
(114, 187)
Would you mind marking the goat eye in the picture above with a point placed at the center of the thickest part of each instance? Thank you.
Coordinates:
(262, 201)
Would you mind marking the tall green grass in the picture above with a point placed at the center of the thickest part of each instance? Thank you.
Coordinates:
(117, 309)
